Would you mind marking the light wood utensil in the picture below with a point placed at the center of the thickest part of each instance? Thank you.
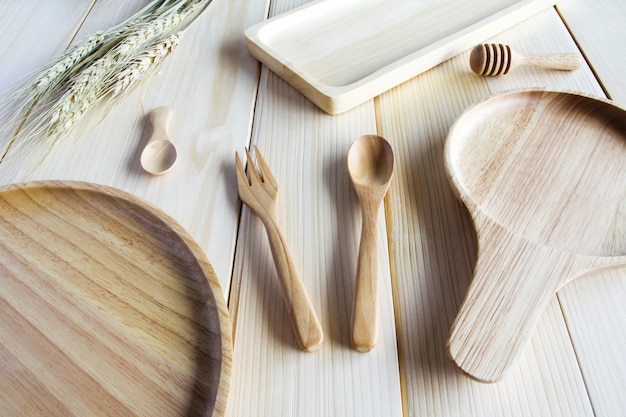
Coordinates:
(107, 308)
(543, 176)
(498, 59)
(370, 165)
(260, 193)
(160, 154)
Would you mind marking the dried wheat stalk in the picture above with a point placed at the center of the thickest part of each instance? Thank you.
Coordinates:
(104, 66)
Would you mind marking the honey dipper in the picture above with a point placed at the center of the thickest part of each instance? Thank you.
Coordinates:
(498, 59)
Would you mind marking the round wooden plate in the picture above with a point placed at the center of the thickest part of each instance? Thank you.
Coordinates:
(107, 308)
(543, 175)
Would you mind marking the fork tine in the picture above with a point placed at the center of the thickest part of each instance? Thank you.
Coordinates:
(252, 171)
(265, 169)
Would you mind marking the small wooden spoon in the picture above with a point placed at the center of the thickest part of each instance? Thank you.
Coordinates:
(159, 154)
(370, 164)
(497, 59)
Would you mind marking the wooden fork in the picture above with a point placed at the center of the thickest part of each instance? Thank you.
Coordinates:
(260, 193)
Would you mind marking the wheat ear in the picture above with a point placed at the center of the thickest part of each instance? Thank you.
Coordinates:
(94, 82)
(106, 64)
(143, 65)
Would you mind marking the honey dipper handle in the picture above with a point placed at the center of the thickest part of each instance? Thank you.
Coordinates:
(566, 62)
(306, 326)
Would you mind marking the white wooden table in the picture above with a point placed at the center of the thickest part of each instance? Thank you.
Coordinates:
(224, 101)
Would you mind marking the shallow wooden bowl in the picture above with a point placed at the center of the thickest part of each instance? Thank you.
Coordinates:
(543, 175)
(107, 308)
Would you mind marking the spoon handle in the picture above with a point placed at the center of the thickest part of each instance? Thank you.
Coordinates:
(160, 119)
(364, 314)
(306, 326)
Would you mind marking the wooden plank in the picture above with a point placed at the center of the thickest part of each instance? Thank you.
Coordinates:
(306, 150)
(22, 161)
(596, 318)
(598, 28)
(211, 85)
(594, 306)
(210, 82)
(19, 21)
(579, 310)
(431, 260)
(21, 25)
(434, 250)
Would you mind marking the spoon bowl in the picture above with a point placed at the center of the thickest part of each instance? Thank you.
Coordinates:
(370, 162)
(370, 165)
(160, 154)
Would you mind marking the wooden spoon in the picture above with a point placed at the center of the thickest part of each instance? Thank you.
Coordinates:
(159, 154)
(543, 176)
(497, 59)
(370, 164)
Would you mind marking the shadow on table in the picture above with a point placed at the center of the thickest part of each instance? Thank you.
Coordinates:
(440, 241)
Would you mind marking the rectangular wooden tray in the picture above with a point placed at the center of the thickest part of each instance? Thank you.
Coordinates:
(342, 53)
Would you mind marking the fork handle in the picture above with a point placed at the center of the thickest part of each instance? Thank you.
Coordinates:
(306, 326)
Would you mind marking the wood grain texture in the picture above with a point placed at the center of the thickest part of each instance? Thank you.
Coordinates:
(591, 24)
(340, 54)
(370, 165)
(211, 68)
(596, 315)
(434, 250)
(35, 51)
(258, 189)
(605, 395)
(574, 364)
(108, 308)
(159, 155)
(594, 305)
(492, 60)
(541, 174)
(319, 213)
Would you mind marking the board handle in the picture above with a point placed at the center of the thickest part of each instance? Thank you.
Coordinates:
(514, 280)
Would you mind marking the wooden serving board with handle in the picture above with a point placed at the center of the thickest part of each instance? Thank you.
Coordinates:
(543, 175)
(107, 308)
